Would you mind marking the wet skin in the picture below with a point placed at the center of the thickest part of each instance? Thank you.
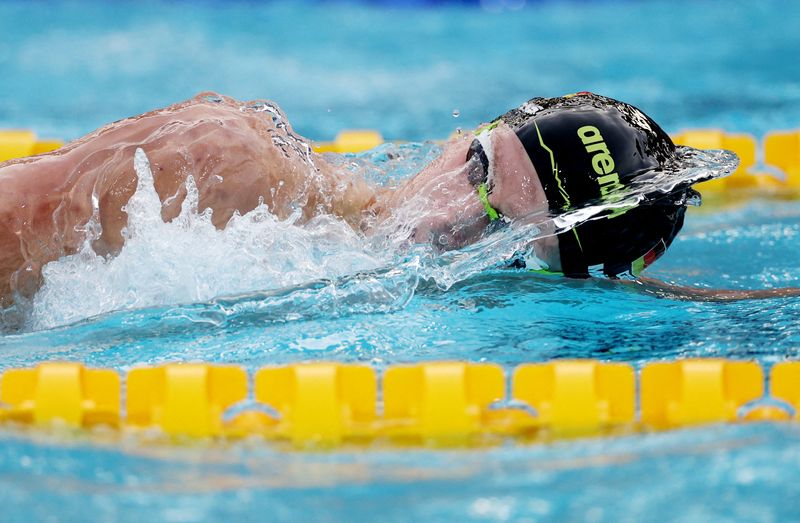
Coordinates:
(239, 155)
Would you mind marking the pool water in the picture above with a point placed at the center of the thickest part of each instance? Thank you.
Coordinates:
(69, 67)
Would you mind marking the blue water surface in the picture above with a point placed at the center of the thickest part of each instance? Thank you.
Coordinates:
(69, 67)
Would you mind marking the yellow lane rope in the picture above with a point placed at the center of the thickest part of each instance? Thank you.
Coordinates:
(778, 153)
(437, 402)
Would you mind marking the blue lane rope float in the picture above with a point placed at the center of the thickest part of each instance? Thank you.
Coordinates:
(440, 402)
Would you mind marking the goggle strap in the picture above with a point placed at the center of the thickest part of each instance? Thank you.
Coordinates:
(483, 196)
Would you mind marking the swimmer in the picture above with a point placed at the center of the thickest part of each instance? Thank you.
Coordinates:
(548, 155)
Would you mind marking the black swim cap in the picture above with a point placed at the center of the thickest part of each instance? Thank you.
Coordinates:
(588, 148)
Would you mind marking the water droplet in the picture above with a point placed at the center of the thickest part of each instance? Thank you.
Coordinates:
(456, 113)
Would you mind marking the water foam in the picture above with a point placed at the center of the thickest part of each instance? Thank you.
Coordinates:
(188, 260)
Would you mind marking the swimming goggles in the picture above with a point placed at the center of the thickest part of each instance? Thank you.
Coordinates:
(478, 176)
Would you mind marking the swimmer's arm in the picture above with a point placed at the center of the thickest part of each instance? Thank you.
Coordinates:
(682, 292)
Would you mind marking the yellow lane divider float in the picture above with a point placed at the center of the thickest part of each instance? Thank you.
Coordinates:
(350, 141)
(18, 144)
(780, 154)
(428, 403)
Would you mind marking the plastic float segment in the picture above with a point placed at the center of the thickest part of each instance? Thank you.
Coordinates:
(430, 401)
(440, 399)
(45, 146)
(69, 392)
(22, 143)
(577, 395)
(320, 402)
(785, 384)
(16, 144)
(767, 413)
(184, 399)
(351, 141)
(744, 145)
(782, 150)
(697, 391)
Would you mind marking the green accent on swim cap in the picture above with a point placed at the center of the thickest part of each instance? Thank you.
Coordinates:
(487, 127)
(553, 166)
(483, 196)
(545, 272)
(575, 232)
(620, 211)
(637, 266)
(642, 262)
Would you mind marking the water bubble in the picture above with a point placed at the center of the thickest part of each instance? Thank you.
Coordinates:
(456, 113)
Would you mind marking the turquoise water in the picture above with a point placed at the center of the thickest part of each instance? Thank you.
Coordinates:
(70, 67)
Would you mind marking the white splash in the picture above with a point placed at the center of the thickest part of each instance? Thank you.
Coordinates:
(188, 260)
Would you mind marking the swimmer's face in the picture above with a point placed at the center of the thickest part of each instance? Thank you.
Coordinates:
(514, 187)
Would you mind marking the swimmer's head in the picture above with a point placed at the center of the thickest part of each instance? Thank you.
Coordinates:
(588, 149)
